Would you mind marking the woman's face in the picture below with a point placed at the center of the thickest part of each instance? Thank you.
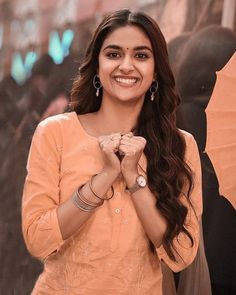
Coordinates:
(126, 64)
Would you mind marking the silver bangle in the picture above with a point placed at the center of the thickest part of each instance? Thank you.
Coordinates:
(81, 196)
(80, 204)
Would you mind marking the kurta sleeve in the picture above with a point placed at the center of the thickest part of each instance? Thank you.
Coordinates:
(41, 193)
(185, 252)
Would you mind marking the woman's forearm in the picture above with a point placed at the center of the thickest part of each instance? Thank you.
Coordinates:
(152, 220)
(70, 217)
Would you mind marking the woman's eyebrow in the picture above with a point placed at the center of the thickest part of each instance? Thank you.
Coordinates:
(143, 48)
(113, 46)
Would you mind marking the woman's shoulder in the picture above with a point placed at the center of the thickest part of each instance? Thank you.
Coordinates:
(57, 127)
(58, 120)
(188, 137)
(191, 144)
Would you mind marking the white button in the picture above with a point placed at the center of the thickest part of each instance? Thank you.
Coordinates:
(117, 210)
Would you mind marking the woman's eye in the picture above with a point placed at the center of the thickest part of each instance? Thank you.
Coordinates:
(142, 55)
(113, 55)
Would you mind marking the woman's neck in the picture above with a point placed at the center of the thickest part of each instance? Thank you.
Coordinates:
(118, 117)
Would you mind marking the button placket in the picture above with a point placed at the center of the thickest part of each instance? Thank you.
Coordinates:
(116, 220)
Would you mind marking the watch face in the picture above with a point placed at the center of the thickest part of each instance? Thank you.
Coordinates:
(141, 180)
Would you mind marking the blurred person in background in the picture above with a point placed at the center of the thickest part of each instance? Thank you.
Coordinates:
(200, 57)
(113, 187)
(21, 110)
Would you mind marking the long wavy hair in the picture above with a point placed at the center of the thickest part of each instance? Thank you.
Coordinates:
(167, 172)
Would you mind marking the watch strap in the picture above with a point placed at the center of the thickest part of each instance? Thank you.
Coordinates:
(134, 188)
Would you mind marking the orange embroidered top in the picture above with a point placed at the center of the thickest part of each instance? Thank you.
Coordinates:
(109, 254)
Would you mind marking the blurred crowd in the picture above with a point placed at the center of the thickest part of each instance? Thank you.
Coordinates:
(194, 58)
(45, 93)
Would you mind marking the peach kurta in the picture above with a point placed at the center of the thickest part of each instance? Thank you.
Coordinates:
(109, 254)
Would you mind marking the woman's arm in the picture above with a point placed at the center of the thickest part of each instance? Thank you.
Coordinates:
(144, 201)
(47, 223)
(152, 220)
(70, 217)
(41, 193)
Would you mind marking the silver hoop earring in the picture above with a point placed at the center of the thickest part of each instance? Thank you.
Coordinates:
(153, 89)
(97, 84)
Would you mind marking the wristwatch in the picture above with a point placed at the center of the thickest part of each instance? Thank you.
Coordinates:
(140, 182)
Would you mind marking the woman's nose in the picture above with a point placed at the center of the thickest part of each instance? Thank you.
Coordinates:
(126, 65)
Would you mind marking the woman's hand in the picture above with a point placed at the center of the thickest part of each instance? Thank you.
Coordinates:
(109, 144)
(132, 148)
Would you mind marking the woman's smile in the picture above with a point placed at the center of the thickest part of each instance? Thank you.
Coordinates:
(125, 81)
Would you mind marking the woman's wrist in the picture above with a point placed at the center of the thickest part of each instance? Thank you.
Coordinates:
(130, 177)
(110, 173)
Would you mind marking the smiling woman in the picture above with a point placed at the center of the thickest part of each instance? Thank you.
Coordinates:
(113, 187)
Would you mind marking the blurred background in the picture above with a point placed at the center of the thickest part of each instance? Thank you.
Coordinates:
(42, 43)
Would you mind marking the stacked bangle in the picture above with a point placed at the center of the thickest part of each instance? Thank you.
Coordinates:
(82, 203)
(91, 188)
(86, 201)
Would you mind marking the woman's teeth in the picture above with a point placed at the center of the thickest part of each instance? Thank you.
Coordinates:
(126, 80)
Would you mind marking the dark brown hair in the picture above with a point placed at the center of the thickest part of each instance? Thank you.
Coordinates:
(167, 171)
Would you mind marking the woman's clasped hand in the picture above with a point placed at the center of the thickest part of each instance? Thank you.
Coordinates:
(122, 152)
